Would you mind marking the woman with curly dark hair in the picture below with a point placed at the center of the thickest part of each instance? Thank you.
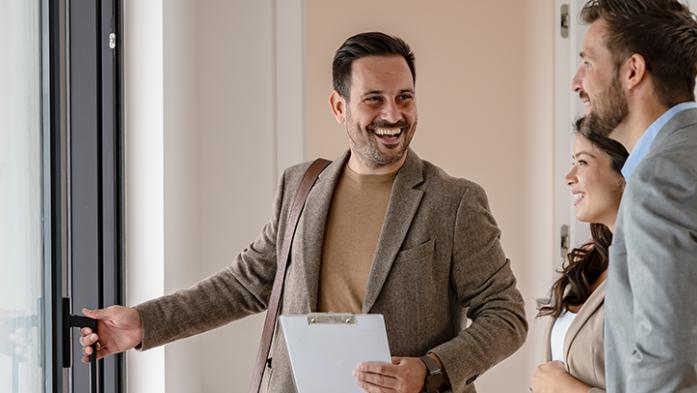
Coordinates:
(575, 354)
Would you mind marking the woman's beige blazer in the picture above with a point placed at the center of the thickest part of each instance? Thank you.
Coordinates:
(583, 345)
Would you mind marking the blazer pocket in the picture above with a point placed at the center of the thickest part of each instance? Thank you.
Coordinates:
(421, 251)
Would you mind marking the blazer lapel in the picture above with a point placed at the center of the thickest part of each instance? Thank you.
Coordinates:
(312, 224)
(595, 300)
(548, 339)
(404, 202)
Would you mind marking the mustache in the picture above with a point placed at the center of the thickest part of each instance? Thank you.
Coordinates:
(386, 124)
(583, 95)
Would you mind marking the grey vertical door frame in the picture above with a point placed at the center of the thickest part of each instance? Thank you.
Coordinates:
(92, 171)
(53, 178)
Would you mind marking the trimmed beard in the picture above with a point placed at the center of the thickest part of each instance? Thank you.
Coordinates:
(612, 109)
(370, 150)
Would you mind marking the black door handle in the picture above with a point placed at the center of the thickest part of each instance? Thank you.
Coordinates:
(78, 321)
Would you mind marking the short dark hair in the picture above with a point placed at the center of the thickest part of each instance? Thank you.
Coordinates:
(363, 45)
(664, 32)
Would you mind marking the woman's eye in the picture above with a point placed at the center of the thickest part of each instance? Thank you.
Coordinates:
(582, 162)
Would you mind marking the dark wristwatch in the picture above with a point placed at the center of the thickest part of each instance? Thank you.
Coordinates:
(434, 375)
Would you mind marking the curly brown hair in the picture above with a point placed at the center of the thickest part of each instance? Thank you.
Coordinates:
(585, 264)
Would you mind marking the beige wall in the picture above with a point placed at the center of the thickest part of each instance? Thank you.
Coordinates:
(183, 367)
(484, 93)
(237, 162)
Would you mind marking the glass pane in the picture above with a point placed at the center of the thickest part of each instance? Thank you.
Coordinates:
(21, 236)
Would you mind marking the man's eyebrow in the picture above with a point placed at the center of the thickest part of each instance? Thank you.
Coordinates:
(370, 92)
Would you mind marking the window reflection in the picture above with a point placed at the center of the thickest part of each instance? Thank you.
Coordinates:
(21, 258)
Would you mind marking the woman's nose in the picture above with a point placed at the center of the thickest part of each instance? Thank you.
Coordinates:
(571, 176)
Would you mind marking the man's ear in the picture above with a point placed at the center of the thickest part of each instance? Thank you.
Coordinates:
(634, 71)
(339, 106)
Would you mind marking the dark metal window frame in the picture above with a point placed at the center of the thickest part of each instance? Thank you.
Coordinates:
(82, 180)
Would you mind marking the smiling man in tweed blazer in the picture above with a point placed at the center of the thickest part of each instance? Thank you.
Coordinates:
(382, 232)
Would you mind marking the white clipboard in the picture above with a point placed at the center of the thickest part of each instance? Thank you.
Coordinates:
(324, 349)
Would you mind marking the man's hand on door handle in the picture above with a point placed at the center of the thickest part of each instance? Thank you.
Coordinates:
(119, 330)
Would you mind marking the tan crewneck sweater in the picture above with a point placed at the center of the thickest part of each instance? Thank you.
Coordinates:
(351, 235)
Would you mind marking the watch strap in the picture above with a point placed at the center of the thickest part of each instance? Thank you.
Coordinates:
(434, 375)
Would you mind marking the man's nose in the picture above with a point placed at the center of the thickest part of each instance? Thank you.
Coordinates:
(391, 112)
(577, 80)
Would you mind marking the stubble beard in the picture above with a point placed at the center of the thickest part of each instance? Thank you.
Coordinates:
(611, 109)
(369, 150)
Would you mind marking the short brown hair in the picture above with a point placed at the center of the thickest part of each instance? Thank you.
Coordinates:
(362, 45)
(664, 32)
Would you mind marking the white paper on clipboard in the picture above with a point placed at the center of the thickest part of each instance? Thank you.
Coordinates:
(324, 349)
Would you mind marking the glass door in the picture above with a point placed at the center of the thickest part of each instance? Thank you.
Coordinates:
(22, 214)
(60, 189)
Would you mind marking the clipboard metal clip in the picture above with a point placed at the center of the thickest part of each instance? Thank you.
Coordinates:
(331, 318)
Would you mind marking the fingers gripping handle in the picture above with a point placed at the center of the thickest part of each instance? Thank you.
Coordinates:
(78, 321)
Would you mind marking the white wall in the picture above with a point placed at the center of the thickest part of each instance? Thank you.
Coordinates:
(144, 171)
(213, 107)
(485, 100)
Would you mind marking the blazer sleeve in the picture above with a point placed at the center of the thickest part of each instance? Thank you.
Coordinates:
(660, 228)
(482, 279)
(241, 289)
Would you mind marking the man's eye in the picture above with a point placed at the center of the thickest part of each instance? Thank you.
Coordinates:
(586, 64)
(582, 162)
(373, 99)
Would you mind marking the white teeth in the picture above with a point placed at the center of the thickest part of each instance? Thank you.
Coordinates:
(578, 197)
(388, 131)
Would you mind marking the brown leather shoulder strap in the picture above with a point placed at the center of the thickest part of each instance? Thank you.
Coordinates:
(283, 260)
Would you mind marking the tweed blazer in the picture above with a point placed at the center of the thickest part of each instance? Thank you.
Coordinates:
(438, 258)
(651, 304)
(584, 352)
